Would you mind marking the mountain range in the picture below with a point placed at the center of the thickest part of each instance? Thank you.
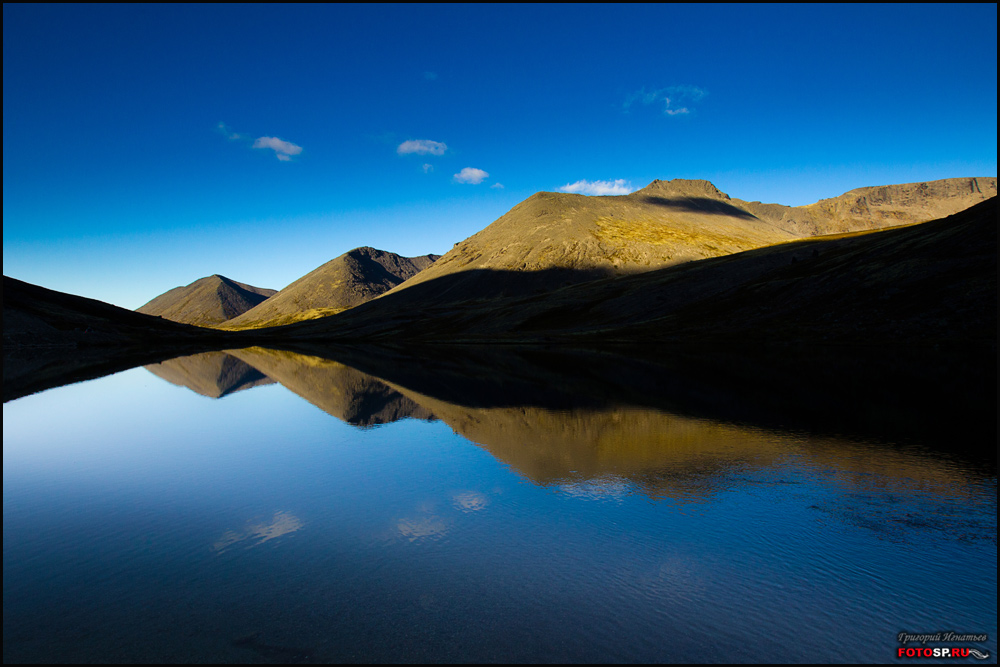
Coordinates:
(575, 238)
(676, 261)
(552, 240)
(930, 282)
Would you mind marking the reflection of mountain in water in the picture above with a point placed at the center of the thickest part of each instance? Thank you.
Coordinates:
(919, 395)
(666, 455)
(662, 454)
(668, 423)
(688, 427)
(348, 394)
(683, 426)
(212, 374)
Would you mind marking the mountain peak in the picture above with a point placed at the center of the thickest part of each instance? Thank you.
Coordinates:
(207, 301)
(683, 187)
(367, 251)
(353, 278)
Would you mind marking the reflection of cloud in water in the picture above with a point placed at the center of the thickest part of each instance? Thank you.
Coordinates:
(470, 501)
(422, 527)
(281, 524)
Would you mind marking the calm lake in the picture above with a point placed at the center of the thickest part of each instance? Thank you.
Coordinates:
(274, 506)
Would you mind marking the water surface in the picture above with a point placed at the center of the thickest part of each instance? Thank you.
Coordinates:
(271, 506)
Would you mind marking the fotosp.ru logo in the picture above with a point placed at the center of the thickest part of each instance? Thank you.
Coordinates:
(925, 651)
(948, 652)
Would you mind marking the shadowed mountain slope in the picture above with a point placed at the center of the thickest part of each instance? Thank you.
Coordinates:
(347, 281)
(934, 282)
(577, 238)
(207, 301)
(34, 316)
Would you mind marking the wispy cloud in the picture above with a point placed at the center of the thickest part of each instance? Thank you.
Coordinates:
(422, 147)
(232, 136)
(497, 186)
(616, 187)
(428, 167)
(471, 175)
(675, 100)
(284, 150)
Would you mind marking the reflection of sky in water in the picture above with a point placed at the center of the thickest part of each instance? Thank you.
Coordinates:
(126, 505)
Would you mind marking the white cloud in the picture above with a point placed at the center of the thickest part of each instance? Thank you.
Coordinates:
(422, 147)
(284, 150)
(672, 98)
(616, 187)
(428, 168)
(497, 186)
(471, 175)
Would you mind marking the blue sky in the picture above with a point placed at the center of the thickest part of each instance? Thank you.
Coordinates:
(146, 146)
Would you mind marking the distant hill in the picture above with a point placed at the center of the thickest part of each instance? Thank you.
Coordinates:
(347, 281)
(554, 239)
(877, 207)
(930, 282)
(207, 301)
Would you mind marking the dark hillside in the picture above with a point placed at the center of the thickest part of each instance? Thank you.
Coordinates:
(52, 338)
